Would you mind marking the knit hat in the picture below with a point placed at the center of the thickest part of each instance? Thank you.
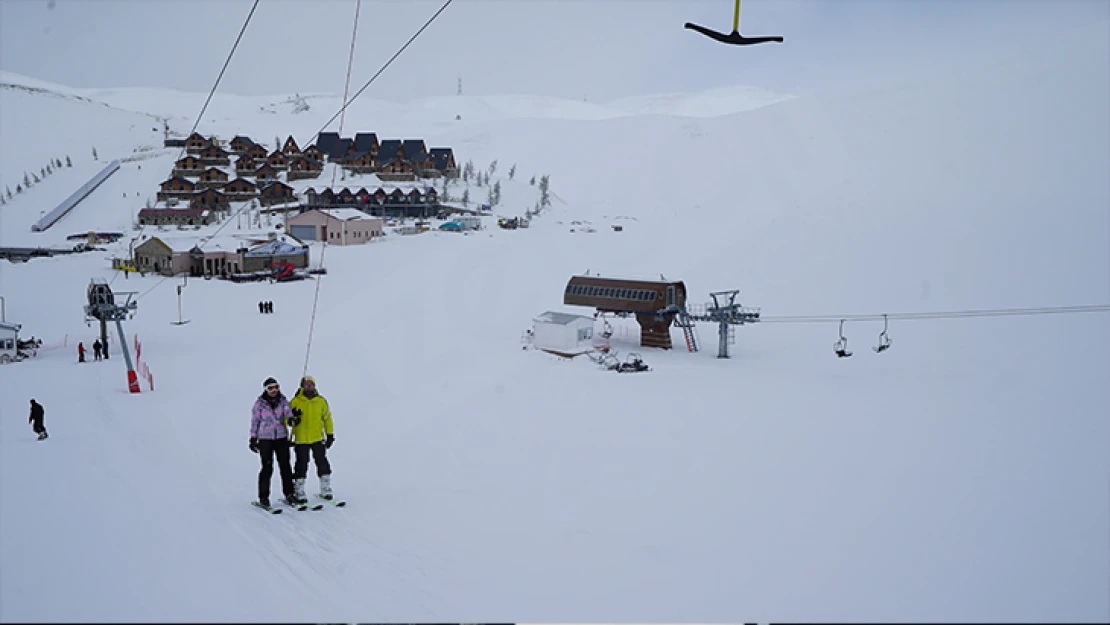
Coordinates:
(307, 379)
(268, 382)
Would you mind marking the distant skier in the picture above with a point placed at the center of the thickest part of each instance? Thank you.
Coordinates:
(314, 434)
(37, 416)
(96, 349)
(261, 307)
(80, 352)
(269, 438)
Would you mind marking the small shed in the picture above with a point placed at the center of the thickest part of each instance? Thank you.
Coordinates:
(563, 334)
(9, 342)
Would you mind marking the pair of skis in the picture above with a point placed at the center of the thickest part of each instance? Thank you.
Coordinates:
(301, 507)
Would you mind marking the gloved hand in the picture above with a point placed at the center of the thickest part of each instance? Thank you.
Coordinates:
(297, 412)
(293, 421)
(331, 441)
(254, 445)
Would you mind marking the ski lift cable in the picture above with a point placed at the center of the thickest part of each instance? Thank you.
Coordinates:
(379, 72)
(324, 248)
(196, 124)
(340, 113)
(955, 314)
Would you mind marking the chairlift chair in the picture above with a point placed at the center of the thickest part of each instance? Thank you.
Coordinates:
(884, 340)
(841, 346)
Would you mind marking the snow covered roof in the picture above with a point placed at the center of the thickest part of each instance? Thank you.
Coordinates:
(10, 327)
(344, 214)
(559, 318)
(275, 248)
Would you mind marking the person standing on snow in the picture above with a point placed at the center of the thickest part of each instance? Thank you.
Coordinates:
(313, 435)
(269, 438)
(80, 352)
(38, 413)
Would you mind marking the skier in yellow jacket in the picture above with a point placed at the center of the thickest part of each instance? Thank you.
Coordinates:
(313, 434)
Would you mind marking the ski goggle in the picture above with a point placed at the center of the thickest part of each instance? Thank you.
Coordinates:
(273, 387)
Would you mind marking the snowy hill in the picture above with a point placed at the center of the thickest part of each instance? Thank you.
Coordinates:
(961, 475)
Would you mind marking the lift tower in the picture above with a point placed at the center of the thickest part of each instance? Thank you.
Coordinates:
(105, 306)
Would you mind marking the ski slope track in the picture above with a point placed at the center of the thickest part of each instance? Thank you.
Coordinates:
(961, 475)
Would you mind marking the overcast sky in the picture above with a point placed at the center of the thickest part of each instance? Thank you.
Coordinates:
(594, 49)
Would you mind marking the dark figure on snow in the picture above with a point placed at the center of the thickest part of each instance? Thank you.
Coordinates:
(96, 349)
(269, 437)
(269, 307)
(261, 307)
(80, 352)
(312, 435)
(37, 416)
(104, 349)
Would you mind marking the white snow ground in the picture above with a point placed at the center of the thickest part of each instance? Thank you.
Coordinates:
(962, 475)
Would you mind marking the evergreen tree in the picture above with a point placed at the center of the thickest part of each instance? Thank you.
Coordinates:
(512, 171)
(496, 194)
(35, 178)
(545, 185)
(68, 162)
(26, 180)
(532, 181)
(95, 157)
(492, 168)
(466, 197)
(18, 188)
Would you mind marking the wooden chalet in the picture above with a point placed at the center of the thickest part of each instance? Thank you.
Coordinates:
(240, 144)
(240, 190)
(265, 173)
(212, 177)
(214, 155)
(443, 160)
(276, 193)
(278, 161)
(176, 187)
(303, 167)
(195, 142)
(366, 142)
(188, 166)
(257, 152)
(360, 162)
(290, 148)
(313, 153)
(209, 198)
(245, 166)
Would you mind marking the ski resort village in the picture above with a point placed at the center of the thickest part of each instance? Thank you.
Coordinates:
(397, 312)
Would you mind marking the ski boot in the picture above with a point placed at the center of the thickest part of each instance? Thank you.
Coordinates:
(298, 491)
(325, 487)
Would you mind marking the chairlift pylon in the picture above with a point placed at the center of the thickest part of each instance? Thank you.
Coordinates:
(841, 346)
(884, 340)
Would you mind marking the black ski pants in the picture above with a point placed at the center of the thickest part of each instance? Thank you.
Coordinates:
(319, 457)
(37, 427)
(267, 449)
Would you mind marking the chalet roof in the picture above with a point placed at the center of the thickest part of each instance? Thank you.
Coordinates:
(328, 143)
(244, 139)
(180, 179)
(413, 147)
(305, 158)
(441, 157)
(364, 141)
(388, 149)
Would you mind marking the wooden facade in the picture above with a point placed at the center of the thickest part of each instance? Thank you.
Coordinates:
(264, 174)
(212, 177)
(240, 190)
(176, 187)
(257, 152)
(240, 144)
(290, 148)
(209, 198)
(188, 166)
(653, 302)
(195, 143)
(278, 161)
(245, 166)
(301, 167)
(214, 155)
(276, 193)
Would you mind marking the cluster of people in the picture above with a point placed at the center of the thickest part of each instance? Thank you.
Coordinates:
(303, 425)
(265, 307)
(100, 350)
